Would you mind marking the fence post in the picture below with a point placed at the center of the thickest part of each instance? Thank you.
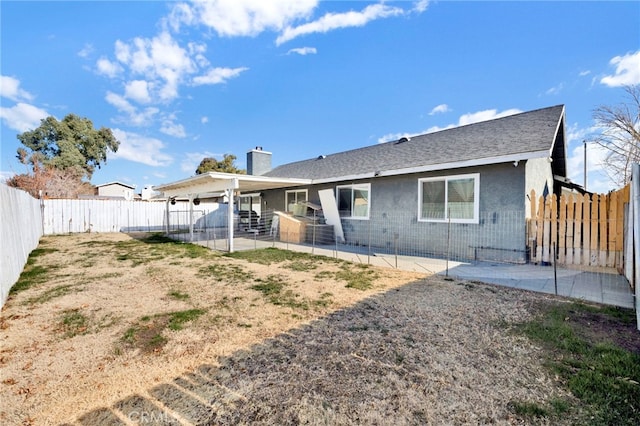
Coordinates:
(555, 270)
(395, 246)
(446, 274)
(369, 245)
(635, 181)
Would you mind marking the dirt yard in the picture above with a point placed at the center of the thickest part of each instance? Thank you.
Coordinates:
(119, 329)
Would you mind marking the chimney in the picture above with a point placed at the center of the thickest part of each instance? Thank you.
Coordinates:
(258, 161)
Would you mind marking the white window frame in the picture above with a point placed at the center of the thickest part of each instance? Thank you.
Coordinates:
(360, 186)
(295, 191)
(446, 179)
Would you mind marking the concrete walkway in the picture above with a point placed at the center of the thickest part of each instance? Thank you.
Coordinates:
(601, 287)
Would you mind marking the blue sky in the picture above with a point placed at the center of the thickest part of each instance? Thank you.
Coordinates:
(179, 81)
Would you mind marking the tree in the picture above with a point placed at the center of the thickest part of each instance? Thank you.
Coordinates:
(70, 144)
(51, 182)
(226, 165)
(620, 133)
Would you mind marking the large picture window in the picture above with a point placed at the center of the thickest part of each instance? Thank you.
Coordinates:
(293, 197)
(454, 198)
(354, 201)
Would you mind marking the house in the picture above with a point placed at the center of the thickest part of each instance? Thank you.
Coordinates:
(116, 190)
(475, 178)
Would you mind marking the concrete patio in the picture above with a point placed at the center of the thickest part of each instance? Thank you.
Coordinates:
(602, 286)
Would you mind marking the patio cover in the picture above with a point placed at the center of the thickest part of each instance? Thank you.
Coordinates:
(229, 183)
(220, 182)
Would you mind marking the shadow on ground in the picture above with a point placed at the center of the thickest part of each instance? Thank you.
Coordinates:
(428, 352)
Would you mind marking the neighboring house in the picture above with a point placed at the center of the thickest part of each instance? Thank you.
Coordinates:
(475, 178)
(116, 190)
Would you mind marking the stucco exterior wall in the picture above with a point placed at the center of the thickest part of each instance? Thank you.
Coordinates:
(499, 235)
(538, 174)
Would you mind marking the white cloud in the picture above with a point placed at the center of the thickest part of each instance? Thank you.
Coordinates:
(169, 127)
(333, 21)
(442, 108)
(22, 116)
(233, 18)
(488, 114)
(10, 89)
(218, 75)
(204, 120)
(192, 160)
(303, 51)
(393, 137)
(86, 50)
(160, 60)
(108, 68)
(420, 5)
(627, 71)
(434, 129)
(133, 117)
(138, 90)
(555, 90)
(469, 118)
(140, 149)
(599, 180)
(584, 73)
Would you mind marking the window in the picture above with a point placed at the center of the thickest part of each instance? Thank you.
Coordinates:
(354, 201)
(293, 197)
(452, 198)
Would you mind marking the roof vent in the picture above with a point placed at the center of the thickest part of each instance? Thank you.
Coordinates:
(403, 139)
(321, 157)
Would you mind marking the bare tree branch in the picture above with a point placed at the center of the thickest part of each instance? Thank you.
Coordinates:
(620, 133)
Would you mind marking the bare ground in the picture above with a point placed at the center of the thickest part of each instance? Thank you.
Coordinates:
(94, 344)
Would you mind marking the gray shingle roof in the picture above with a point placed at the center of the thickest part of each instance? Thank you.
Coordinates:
(516, 135)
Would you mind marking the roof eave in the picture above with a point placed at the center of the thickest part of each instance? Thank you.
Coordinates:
(437, 167)
(219, 182)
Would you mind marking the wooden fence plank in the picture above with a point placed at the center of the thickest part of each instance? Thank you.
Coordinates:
(595, 203)
(570, 228)
(562, 231)
(612, 213)
(539, 229)
(577, 233)
(554, 228)
(602, 209)
(546, 238)
(586, 230)
(532, 222)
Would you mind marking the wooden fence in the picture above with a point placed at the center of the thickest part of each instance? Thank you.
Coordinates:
(579, 229)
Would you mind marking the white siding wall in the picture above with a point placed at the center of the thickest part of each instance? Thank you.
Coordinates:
(71, 216)
(20, 232)
(24, 219)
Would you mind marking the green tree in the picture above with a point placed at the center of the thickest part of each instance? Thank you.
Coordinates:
(619, 132)
(72, 144)
(226, 165)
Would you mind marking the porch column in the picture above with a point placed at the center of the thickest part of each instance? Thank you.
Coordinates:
(233, 186)
(167, 214)
(190, 218)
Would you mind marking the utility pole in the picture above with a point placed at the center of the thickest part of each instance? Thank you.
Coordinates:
(585, 164)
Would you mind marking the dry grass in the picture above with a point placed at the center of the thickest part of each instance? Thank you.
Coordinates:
(110, 329)
(96, 327)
